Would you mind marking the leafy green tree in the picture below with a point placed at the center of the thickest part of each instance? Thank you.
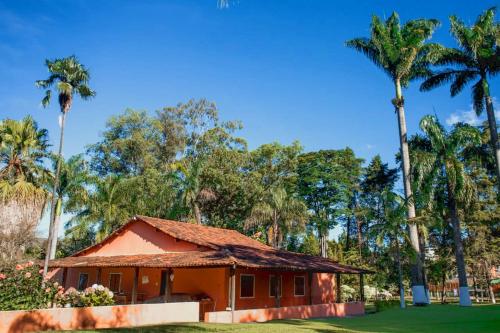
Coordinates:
(324, 181)
(278, 213)
(23, 151)
(442, 155)
(70, 78)
(477, 59)
(402, 53)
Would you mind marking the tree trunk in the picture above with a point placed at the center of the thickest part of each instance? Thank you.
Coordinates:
(402, 303)
(492, 123)
(443, 286)
(459, 249)
(417, 280)
(52, 232)
(348, 234)
(197, 212)
(488, 282)
(360, 236)
(323, 245)
(57, 218)
(275, 232)
(474, 284)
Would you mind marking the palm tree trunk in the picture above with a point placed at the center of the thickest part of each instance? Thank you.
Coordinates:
(360, 236)
(402, 303)
(52, 238)
(417, 280)
(197, 212)
(57, 219)
(459, 250)
(492, 123)
(323, 245)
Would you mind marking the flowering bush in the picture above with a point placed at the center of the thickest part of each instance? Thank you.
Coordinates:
(96, 295)
(21, 289)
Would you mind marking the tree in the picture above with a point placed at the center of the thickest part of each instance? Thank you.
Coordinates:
(477, 58)
(440, 154)
(401, 52)
(23, 150)
(277, 213)
(69, 78)
(392, 228)
(325, 180)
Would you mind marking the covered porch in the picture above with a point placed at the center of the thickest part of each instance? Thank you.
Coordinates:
(218, 284)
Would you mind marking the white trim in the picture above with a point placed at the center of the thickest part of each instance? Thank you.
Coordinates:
(304, 285)
(253, 288)
(79, 277)
(281, 286)
(119, 282)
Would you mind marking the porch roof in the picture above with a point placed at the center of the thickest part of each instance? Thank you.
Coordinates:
(239, 257)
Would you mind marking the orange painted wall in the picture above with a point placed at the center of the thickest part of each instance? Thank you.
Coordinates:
(140, 238)
(211, 281)
(322, 290)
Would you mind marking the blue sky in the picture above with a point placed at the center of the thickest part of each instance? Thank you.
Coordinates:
(278, 66)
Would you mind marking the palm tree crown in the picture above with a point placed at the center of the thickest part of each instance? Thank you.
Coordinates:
(69, 77)
(400, 51)
(477, 58)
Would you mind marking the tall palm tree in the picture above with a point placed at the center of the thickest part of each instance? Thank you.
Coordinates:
(277, 212)
(476, 60)
(69, 78)
(439, 155)
(401, 52)
(23, 149)
(72, 185)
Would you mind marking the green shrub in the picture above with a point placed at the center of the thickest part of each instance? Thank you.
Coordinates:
(381, 305)
(21, 289)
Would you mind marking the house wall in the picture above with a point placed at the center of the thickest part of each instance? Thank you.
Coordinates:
(141, 238)
(322, 287)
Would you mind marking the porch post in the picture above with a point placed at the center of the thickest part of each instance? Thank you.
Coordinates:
(309, 286)
(168, 286)
(64, 277)
(134, 286)
(361, 287)
(338, 295)
(98, 278)
(278, 289)
(232, 274)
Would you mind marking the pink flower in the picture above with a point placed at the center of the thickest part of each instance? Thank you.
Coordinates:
(2, 276)
(27, 275)
(29, 264)
(47, 290)
(40, 271)
(19, 267)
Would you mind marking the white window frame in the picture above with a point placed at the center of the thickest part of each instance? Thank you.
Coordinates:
(79, 277)
(281, 286)
(303, 279)
(119, 283)
(253, 287)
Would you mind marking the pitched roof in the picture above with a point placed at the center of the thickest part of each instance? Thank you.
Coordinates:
(227, 248)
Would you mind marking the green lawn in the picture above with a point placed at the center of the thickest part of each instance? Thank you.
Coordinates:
(434, 318)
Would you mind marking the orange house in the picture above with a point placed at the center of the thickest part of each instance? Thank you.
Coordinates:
(151, 260)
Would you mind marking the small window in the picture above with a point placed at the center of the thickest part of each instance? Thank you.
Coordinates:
(83, 281)
(299, 286)
(247, 286)
(115, 280)
(272, 285)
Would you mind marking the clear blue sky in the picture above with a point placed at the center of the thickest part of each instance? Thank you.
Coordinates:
(278, 66)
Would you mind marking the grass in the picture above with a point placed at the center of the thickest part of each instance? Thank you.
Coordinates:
(434, 318)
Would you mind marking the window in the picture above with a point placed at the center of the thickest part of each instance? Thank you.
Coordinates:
(115, 281)
(272, 285)
(247, 286)
(299, 286)
(83, 281)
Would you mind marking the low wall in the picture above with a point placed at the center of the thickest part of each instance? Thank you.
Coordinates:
(98, 317)
(290, 312)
